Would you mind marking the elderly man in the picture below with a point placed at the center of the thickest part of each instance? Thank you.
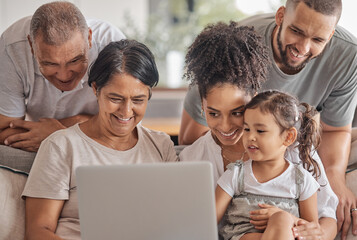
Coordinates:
(43, 81)
(316, 60)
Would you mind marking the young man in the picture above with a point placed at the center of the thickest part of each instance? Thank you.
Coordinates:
(44, 62)
(315, 60)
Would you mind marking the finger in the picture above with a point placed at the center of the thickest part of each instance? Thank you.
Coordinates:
(354, 222)
(259, 212)
(301, 222)
(307, 234)
(259, 223)
(260, 227)
(19, 123)
(259, 217)
(346, 223)
(263, 205)
(16, 138)
(26, 145)
(340, 216)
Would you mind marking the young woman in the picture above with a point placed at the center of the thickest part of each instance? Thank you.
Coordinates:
(228, 64)
(273, 121)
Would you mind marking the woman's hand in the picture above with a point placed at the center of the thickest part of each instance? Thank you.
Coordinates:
(259, 218)
(308, 230)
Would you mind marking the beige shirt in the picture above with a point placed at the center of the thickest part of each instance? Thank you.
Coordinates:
(53, 173)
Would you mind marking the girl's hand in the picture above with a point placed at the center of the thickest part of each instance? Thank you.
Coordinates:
(308, 230)
(259, 218)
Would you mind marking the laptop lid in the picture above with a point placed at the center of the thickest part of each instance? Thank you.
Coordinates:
(160, 201)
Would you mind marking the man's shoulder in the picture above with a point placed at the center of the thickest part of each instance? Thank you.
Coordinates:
(101, 28)
(342, 35)
(102, 33)
(17, 32)
(94, 23)
(259, 21)
(343, 47)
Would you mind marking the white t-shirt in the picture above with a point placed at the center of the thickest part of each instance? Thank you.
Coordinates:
(206, 149)
(23, 89)
(280, 186)
(52, 175)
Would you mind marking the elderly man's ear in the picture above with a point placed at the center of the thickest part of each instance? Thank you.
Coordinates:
(89, 38)
(30, 42)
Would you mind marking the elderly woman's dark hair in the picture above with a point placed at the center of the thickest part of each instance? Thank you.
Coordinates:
(124, 56)
(227, 53)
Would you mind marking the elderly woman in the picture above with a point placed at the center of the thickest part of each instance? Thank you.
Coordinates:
(121, 79)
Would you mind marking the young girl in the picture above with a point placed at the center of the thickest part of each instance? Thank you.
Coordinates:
(273, 121)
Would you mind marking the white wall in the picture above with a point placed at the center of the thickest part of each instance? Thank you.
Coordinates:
(349, 18)
(109, 10)
(114, 10)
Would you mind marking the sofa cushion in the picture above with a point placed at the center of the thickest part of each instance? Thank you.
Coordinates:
(12, 206)
(16, 158)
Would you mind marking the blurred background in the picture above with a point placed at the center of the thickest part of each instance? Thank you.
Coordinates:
(167, 26)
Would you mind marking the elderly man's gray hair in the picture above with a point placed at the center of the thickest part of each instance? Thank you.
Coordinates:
(57, 22)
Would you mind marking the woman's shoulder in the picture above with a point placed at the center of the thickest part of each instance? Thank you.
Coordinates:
(152, 140)
(149, 137)
(151, 134)
(200, 149)
(65, 135)
(66, 132)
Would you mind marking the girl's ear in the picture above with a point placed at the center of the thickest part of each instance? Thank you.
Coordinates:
(291, 135)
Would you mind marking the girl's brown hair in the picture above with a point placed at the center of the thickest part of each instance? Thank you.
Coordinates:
(289, 112)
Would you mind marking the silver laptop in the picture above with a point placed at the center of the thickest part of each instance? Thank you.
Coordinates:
(158, 201)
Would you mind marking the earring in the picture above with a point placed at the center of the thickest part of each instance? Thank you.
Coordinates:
(201, 112)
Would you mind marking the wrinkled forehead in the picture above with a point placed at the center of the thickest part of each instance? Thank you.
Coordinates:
(76, 46)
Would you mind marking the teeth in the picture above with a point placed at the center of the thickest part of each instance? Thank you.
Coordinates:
(228, 134)
(123, 119)
(296, 54)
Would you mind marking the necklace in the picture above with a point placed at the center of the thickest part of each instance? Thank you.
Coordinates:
(227, 160)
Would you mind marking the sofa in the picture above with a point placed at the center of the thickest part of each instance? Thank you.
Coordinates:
(13, 175)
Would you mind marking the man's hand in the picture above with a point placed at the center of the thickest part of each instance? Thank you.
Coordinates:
(334, 152)
(308, 230)
(34, 133)
(259, 218)
(347, 201)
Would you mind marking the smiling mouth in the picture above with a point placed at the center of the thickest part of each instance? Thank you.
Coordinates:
(123, 119)
(68, 82)
(251, 147)
(228, 134)
(296, 54)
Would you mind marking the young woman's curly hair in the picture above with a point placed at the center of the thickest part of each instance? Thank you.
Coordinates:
(227, 53)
